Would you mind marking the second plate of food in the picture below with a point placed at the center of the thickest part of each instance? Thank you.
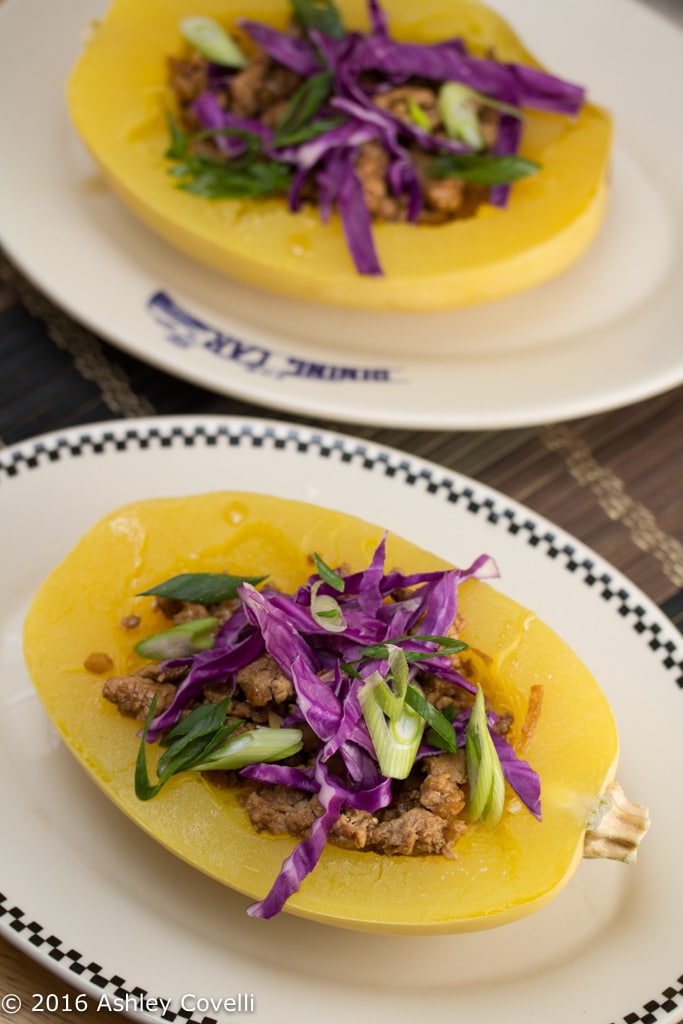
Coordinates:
(602, 334)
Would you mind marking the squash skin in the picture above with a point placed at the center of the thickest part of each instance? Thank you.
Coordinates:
(117, 98)
(497, 876)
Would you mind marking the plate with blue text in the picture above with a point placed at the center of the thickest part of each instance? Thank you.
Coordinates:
(603, 334)
(196, 955)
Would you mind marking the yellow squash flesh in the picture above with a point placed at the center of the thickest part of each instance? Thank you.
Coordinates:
(118, 100)
(496, 877)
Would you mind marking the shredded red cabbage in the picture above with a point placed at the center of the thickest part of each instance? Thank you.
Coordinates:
(362, 64)
(293, 52)
(213, 118)
(508, 142)
(520, 776)
(206, 667)
(356, 221)
(319, 663)
(306, 854)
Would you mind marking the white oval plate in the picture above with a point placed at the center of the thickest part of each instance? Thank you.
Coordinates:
(602, 335)
(123, 920)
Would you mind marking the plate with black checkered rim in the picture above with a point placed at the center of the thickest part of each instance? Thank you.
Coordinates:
(98, 902)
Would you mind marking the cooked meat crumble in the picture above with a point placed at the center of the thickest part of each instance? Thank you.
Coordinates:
(133, 694)
(263, 683)
(424, 820)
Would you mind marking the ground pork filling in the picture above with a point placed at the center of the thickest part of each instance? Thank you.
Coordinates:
(262, 91)
(427, 813)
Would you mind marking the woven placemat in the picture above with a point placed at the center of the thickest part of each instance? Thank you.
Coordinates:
(614, 480)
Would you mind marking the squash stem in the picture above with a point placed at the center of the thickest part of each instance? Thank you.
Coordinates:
(616, 828)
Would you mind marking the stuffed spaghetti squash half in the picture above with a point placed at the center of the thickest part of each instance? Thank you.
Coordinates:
(394, 158)
(326, 717)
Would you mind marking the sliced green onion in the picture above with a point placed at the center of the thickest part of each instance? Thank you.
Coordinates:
(418, 115)
(332, 578)
(179, 146)
(294, 136)
(187, 743)
(484, 168)
(204, 720)
(179, 641)
(484, 770)
(322, 15)
(304, 104)
(457, 106)
(326, 610)
(444, 733)
(447, 644)
(398, 666)
(201, 587)
(384, 697)
(212, 41)
(395, 728)
(493, 812)
(504, 108)
(203, 741)
(242, 176)
(253, 747)
(396, 740)
(194, 737)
